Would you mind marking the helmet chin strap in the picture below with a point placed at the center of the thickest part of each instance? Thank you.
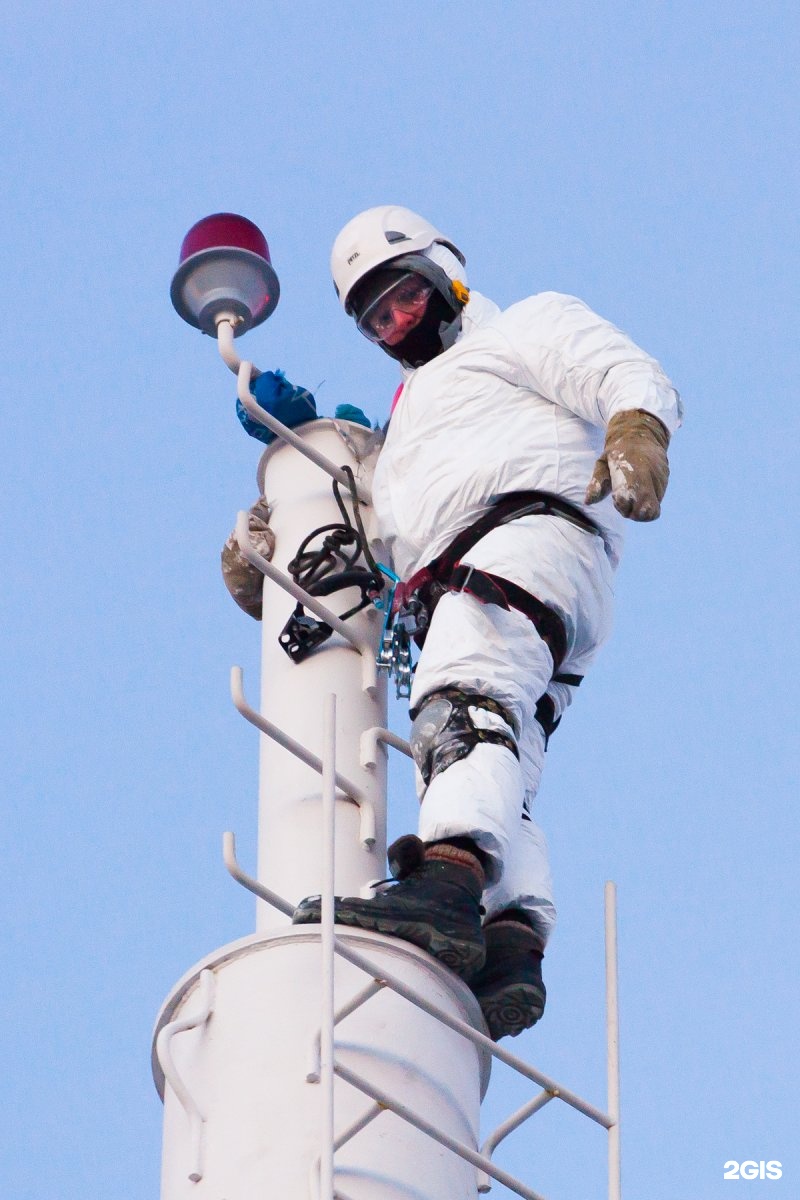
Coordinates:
(449, 331)
(437, 331)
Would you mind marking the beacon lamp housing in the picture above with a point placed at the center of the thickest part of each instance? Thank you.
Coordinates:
(224, 271)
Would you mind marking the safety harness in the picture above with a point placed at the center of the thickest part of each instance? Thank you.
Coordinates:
(415, 600)
(334, 565)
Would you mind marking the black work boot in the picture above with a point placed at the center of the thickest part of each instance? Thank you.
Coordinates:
(509, 986)
(436, 904)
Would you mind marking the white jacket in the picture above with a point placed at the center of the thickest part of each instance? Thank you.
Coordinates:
(520, 401)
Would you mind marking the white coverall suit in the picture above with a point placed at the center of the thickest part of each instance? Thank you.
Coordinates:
(519, 402)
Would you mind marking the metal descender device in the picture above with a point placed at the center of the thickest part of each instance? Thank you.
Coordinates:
(399, 627)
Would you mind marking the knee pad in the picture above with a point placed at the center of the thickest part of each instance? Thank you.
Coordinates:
(448, 724)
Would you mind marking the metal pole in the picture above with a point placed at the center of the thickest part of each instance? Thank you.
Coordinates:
(292, 695)
(612, 1035)
(328, 944)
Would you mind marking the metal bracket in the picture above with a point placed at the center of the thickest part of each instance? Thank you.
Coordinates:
(370, 740)
(247, 881)
(371, 989)
(350, 790)
(502, 1131)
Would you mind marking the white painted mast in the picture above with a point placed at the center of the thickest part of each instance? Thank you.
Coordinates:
(314, 1062)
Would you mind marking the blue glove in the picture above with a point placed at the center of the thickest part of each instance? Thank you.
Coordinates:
(349, 412)
(289, 404)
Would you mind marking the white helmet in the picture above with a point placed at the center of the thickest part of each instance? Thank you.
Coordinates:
(374, 238)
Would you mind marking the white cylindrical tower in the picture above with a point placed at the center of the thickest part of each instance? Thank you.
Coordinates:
(289, 840)
(236, 1046)
(246, 1069)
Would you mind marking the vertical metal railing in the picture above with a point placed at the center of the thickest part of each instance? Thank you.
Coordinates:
(328, 947)
(612, 1042)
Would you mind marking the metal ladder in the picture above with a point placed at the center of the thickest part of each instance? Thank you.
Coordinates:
(323, 1067)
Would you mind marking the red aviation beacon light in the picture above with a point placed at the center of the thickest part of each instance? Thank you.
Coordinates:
(224, 271)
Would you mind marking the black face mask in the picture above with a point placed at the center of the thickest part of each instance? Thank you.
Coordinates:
(424, 341)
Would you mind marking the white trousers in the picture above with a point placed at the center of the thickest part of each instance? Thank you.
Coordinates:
(488, 796)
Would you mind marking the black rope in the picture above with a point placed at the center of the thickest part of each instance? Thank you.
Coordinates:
(331, 567)
(357, 514)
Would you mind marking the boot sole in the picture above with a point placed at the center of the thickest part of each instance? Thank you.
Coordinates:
(512, 1010)
(454, 948)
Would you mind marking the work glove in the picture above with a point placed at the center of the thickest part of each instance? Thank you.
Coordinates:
(349, 412)
(633, 466)
(289, 404)
(242, 579)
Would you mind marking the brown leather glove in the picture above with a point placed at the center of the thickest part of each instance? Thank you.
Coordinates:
(242, 579)
(633, 466)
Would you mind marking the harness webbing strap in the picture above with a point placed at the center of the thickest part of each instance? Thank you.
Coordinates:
(510, 506)
(493, 589)
(447, 573)
(546, 716)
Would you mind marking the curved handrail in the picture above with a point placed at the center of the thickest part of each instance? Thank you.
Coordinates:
(226, 324)
(172, 1076)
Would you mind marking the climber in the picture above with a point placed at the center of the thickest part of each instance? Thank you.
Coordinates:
(519, 441)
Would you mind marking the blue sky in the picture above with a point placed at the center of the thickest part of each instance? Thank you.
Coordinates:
(642, 156)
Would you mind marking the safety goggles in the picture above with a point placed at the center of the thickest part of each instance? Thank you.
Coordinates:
(377, 316)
